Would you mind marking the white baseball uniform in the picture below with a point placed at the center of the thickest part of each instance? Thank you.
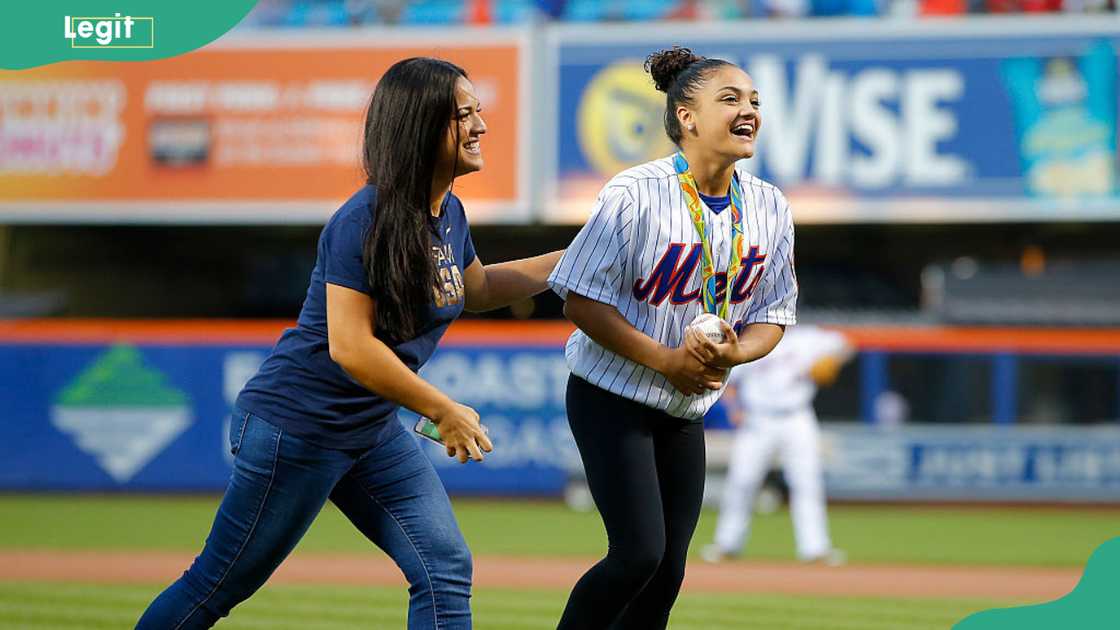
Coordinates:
(640, 253)
(776, 394)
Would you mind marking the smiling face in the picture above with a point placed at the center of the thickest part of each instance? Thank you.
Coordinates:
(724, 115)
(462, 149)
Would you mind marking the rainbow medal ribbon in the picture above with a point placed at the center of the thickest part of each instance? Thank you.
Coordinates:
(708, 287)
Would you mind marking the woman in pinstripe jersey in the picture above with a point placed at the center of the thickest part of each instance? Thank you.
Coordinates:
(667, 241)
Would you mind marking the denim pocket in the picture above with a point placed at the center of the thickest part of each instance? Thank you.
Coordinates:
(238, 420)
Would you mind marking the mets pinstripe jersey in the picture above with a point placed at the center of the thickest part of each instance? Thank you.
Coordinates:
(641, 253)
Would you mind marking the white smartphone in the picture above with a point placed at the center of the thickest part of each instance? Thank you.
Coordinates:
(428, 430)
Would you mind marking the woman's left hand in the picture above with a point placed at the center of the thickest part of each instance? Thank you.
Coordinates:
(718, 355)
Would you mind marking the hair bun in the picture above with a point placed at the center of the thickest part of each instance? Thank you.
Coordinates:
(665, 65)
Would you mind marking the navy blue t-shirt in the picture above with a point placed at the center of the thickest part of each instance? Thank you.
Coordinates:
(299, 387)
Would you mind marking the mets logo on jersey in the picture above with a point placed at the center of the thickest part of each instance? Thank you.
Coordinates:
(671, 277)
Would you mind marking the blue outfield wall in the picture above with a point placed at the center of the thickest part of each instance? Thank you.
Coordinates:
(154, 417)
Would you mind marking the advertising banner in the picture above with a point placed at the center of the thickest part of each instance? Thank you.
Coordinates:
(253, 128)
(146, 408)
(973, 463)
(984, 120)
(144, 417)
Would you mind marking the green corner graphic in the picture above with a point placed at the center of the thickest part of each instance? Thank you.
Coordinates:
(1089, 606)
(49, 31)
(119, 378)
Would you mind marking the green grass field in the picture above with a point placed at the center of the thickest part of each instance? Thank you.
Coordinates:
(870, 534)
(890, 534)
(286, 607)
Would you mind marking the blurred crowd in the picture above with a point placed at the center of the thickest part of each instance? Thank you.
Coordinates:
(278, 13)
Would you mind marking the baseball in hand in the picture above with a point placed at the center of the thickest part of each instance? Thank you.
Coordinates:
(709, 325)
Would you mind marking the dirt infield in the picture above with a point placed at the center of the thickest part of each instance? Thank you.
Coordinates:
(1011, 583)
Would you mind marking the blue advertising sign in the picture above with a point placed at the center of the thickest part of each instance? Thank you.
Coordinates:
(118, 417)
(519, 394)
(944, 122)
(152, 417)
(156, 418)
(982, 463)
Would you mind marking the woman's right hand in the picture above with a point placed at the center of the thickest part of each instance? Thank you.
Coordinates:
(687, 374)
(461, 432)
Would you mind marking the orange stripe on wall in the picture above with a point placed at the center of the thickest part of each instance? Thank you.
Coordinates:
(170, 332)
(226, 332)
(549, 333)
(947, 339)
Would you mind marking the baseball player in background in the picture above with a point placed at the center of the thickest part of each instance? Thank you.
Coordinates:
(771, 403)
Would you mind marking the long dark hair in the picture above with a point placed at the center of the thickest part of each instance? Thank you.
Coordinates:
(406, 123)
(679, 73)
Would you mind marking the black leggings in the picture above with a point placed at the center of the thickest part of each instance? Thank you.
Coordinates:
(645, 469)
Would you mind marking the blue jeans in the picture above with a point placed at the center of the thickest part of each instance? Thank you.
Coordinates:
(390, 492)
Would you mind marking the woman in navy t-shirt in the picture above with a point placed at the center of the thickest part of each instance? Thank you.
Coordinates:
(395, 267)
